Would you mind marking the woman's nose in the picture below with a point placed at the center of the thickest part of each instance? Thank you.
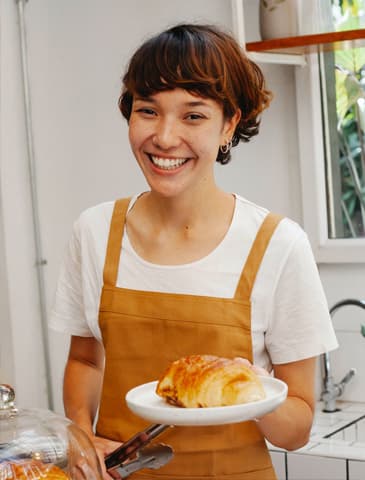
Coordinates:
(166, 135)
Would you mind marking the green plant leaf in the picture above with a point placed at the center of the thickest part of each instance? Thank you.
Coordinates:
(363, 330)
(350, 60)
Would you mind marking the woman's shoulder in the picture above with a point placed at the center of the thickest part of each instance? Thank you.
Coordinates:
(93, 223)
(100, 213)
(253, 215)
(96, 212)
(250, 208)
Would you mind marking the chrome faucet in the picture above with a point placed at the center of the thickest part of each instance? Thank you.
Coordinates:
(331, 390)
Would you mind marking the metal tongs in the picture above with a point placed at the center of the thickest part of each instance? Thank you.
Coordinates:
(135, 454)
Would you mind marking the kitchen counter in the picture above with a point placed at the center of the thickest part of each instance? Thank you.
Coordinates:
(338, 435)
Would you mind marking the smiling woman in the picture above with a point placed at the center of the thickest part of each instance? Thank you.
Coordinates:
(175, 135)
(227, 76)
(189, 269)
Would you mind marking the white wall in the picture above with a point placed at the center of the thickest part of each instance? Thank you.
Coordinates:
(77, 52)
(340, 282)
(18, 276)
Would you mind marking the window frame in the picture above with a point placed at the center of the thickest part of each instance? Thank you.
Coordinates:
(313, 174)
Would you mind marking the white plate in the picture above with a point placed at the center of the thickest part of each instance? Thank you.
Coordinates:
(144, 402)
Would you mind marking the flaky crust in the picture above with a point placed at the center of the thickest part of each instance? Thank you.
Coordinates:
(209, 381)
(31, 470)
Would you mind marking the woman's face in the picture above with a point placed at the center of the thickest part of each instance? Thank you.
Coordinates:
(175, 138)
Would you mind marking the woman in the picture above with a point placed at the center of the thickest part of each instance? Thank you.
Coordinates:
(188, 268)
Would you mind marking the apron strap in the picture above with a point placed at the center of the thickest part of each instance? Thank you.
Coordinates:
(255, 256)
(112, 257)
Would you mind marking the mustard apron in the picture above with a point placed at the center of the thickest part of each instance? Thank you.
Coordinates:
(144, 331)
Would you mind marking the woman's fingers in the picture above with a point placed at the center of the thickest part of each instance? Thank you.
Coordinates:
(244, 361)
(103, 448)
(258, 370)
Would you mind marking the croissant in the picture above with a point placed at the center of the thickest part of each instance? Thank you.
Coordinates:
(209, 381)
(31, 470)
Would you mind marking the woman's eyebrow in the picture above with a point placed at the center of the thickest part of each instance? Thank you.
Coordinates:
(191, 104)
(145, 99)
(197, 103)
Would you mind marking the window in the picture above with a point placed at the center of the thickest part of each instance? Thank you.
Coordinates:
(342, 78)
(333, 157)
(330, 130)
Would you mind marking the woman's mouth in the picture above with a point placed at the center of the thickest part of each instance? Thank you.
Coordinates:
(167, 163)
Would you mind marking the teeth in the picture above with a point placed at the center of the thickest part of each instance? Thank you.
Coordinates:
(167, 163)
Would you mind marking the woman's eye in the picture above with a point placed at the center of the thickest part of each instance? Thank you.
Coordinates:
(146, 111)
(194, 116)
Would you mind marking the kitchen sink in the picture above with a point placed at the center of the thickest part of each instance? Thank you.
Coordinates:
(340, 434)
(354, 431)
(347, 423)
(336, 446)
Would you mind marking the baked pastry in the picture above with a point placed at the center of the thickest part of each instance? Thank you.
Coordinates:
(209, 381)
(31, 470)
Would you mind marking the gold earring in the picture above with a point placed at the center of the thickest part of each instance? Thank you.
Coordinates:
(226, 148)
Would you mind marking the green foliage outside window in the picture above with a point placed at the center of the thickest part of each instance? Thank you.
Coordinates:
(350, 105)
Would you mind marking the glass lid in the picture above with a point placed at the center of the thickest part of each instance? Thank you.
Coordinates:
(37, 444)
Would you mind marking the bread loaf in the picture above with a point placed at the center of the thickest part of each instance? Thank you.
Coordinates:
(209, 381)
(31, 470)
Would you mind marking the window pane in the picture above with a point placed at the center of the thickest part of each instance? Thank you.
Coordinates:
(343, 104)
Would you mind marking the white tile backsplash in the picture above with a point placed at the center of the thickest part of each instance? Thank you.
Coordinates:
(303, 467)
(356, 470)
(360, 431)
(353, 433)
(350, 354)
(339, 449)
(349, 318)
(340, 456)
(278, 461)
(342, 281)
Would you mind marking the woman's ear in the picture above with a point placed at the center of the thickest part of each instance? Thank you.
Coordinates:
(231, 124)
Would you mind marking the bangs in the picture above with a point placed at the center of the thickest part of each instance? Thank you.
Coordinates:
(177, 59)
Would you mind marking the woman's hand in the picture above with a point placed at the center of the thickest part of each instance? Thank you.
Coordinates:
(254, 368)
(81, 469)
(104, 447)
(288, 426)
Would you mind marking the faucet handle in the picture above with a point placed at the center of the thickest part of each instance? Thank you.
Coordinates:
(346, 379)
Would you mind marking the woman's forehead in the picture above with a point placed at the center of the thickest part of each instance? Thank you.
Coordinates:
(179, 95)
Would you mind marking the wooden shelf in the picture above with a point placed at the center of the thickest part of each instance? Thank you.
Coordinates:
(311, 43)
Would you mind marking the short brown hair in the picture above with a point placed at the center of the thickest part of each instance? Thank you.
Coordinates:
(204, 60)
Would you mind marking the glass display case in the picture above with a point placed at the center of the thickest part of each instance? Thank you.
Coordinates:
(37, 444)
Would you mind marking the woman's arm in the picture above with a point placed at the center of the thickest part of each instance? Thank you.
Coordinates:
(82, 381)
(82, 389)
(290, 424)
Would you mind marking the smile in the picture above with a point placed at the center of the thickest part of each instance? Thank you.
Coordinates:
(167, 163)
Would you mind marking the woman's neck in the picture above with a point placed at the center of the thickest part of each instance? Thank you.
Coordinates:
(165, 231)
(187, 212)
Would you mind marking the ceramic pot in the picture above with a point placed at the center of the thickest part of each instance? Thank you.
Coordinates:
(278, 18)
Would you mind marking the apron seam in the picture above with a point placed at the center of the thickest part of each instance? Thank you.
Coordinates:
(161, 475)
(183, 296)
(169, 320)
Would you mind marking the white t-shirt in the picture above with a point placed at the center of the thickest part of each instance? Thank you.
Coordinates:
(289, 319)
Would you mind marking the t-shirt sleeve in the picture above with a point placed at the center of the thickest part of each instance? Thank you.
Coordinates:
(68, 312)
(299, 324)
